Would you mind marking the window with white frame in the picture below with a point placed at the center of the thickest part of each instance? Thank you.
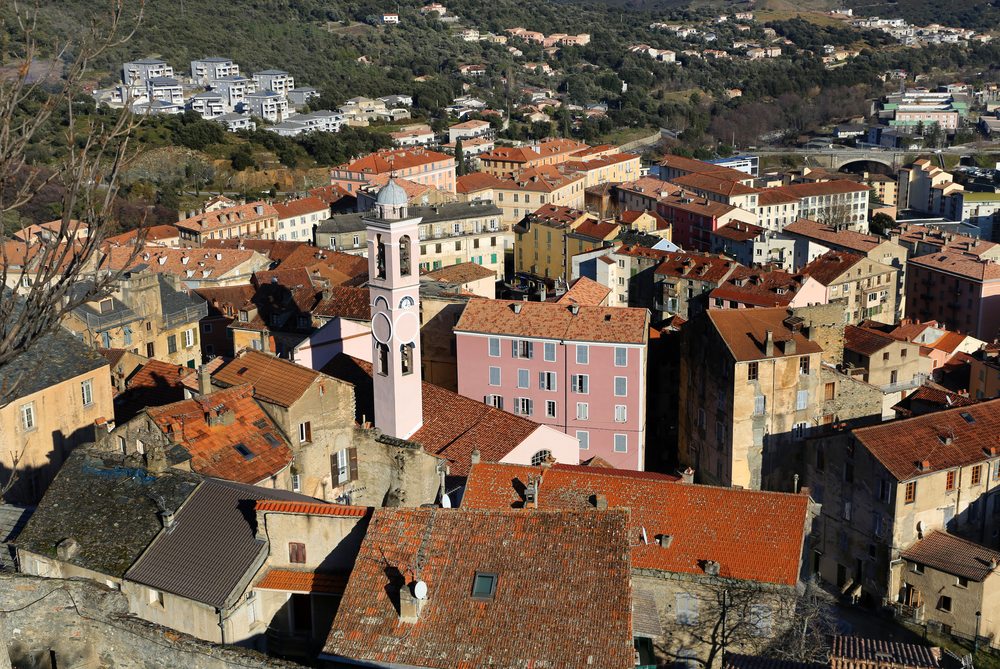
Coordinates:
(523, 378)
(189, 338)
(87, 392)
(621, 386)
(343, 466)
(582, 411)
(494, 347)
(759, 405)
(251, 604)
(686, 607)
(621, 413)
(547, 380)
(621, 443)
(621, 356)
(801, 400)
(582, 354)
(494, 376)
(583, 437)
(549, 351)
(521, 348)
(550, 408)
(581, 384)
(799, 430)
(28, 416)
(523, 406)
(494, 401)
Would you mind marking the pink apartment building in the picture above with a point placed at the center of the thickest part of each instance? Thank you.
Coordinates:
(416, 164)
(579, 369)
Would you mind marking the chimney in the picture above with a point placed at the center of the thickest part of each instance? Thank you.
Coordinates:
(167, 518)
(664, 540)
(516, 306)
(409, 604)
(712, 567)
(531, 493)
(600, 502)
(790, 346)
(687, 476)
(574, 309)
(474, 457)
(769, 344)
(204, 380)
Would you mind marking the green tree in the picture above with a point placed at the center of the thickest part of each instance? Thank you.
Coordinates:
(460, 166)
(242, 158)
(880, 223)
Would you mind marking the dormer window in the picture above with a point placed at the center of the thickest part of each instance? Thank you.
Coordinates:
(484, 585)
(107, 306)
(244, 317)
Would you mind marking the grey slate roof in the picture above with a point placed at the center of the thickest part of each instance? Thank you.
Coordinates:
(54, 357)
(13, 519)
(110, 509)
(212, 546)
(441, 213)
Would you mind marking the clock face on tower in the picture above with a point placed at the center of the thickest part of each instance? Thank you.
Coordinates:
(406, 302)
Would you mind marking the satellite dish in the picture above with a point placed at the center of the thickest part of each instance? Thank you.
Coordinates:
(645, 537)
(420, 590)
(445, 501)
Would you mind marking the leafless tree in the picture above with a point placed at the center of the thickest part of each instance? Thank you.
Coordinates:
(41, 88)
(806, 637)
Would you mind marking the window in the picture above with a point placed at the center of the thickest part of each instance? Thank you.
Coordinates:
(910, 494)
(188, 338)
(686, 608)
(582, 411)
(761, 618)
(379, 257)
(127, 333)
(801, 399)
(305, 432)
(621, 443)
(977, 474)
(917, 568)
(87, 392)
(343, 466)
(171, 344)
(962, 582)
(720, 432)
(494, 401)
(550, 408)
(828, 391)
(494, 376)
(106, 339)
(759, 405)
(799, 430)
(847, 511)
(494, 347)
(581, 383)
(885, 356)
(944, 604)
(849, 472)
(296, 552)
(382, 356)
(405, 246)
(884, 490)
(752, 371)
(205, 327)
(522, 378)
(154, 597)
(621, 386)
(621, 356)
(621, 413)
(540, 457)
(583, 437)
(522, 349)
(582, 354)
(28, 416)
(406, 358)
(523, 406)
(547, 380)
(949, 481)
(804, 365)
(484, 585)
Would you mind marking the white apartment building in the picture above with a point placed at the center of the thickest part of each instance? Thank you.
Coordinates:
(208, 70)
(278, 81)
(296, 218)
(165, 89)
(267, 105)
(208, 105)
(144, 69)
(300, 124)
(234, 90)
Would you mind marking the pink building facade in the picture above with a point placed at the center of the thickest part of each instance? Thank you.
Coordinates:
(592, 390)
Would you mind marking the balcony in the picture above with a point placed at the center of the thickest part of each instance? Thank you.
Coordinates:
(191, 314)
(916, 381)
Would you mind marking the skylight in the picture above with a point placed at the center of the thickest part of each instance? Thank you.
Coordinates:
(244, 451)
(967, 417)
(484, 585)
(271, 439)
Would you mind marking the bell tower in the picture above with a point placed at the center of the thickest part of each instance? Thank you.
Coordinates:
(393, 287)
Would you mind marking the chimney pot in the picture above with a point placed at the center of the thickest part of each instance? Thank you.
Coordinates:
(600, 502)
(204, 380)
(516, 306)
(474, 457)
(769, 343)
(409, 605)
(664, 540)
(687, 476)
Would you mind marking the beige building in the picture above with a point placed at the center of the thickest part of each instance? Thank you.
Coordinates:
(984, 373)
(255, 220)
(56, 395)
(894, 365)
(148, 314)
(546, 240)
(519, 196)
(864, 288)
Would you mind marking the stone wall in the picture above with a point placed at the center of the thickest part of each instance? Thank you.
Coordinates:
(47, 623)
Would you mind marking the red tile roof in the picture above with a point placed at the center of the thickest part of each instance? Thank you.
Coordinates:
(556, 215)
(596, 230)
(389, 160)
(221, 219)
(697, 267)
(753, 535)
(940, 440)
(771, 196)
(953, 555)
(275, 380)
(289, 580)
(348, 302)
(837, 187)
(154, 233)
(155, 384)
(337, 267)
(276, 250)
(831, 266)
(562, 599)
(738, 231)
(463, 273)
(687, 201)
(309, 508)
(929, 397)
(551, 320)
(692, 166)
(865, 341)
(585, 291)
(301, 207)
(776, 288)
(966, 265)
(745, 333)
(714, 184)
(827, 234)
(214, 448)
(199, 264)
(476, 181)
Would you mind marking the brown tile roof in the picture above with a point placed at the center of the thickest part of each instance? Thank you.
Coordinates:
(542, 179)
(921, 234)
(926, 397)
(476, 181)
(155, 384)
(580, 599)
(112, 355)
(412, 188)
(954, 555)
(312, 508)
(290, 580)
(337, 267)
(630, 216)
(596, 230)
(942, 440)
(348, 302)
(388, 160)
(964, 264)
(301, 207)
(220, 219)
(831, 266)
(649, 186)
(332, 194)
(697, 266)
(776, 288)
(715, 184)
(463, 273)
(275, 380)
(585, 291)
(274, 249)
(469, 125)
(827, 234)
(693, 166)
(753, 535)
(837, 187)
(550, 320)
(200, 264)
(215, 449)
(745, 332)
(686, 201)
(883, 653)
(153, 233)
(865, 341)
(771, 196)
(454, 425)
(226, 301)
(738, 231)
(556, 215)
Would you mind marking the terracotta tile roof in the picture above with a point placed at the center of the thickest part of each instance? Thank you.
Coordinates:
(476, 181)
(469, 125)
(301, 207)
(630, 216)
(154, 233)
(686, 201)
(697, 266)
(966, 265)
(389, 160)
(831, 266)
(905, 446)
(412, 188)
(226, 301)
(112, 355)
(772, 196)
(331, 194)
(312, 508)
(692, 166)
(454, 425)
(881, 652)
(155, 384)
(714, 184)
(745, 332)
(221, 219)
(348, 302)
(737, 661)
(550, 320)
(200, 264)
(865, 341)
(289, 580)
(596, 230)
(929, 397)
(585, 291)
(192, 381)
(837, 187)
(463, 273)
(337, 267)
(921, 234)
(738, 231)
(583, 595)
(776, 288)
(649, 186)
(954, 555)
(556, 215)
(827, 234)
(541, 179)
(215, 450)
(275, 380)
(753, 535)
(274, 249)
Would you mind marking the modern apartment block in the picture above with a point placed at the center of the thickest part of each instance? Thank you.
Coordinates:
(580, 369)
(278, 81)
(958, 288)
(205, 71)
(144, 69)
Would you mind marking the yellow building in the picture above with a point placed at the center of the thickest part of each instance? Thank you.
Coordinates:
(519, 196)
(546, 240)
(55, 395)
